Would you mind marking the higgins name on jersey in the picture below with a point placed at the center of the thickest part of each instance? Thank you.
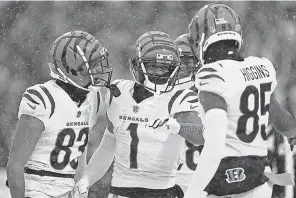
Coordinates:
(246, 87)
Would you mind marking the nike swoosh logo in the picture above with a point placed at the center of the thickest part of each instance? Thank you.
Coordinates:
(193, 106)
(33, 107)
(200, 84)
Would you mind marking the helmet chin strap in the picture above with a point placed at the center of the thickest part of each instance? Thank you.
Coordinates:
(68, 80)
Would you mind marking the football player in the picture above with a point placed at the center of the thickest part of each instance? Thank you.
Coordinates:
(189, 63)
(190, 152)
(143, 133)
(56, 117)
(237, 97)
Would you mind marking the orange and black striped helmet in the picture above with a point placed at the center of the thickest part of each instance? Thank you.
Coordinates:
(212, 23)
(155, 64)
(189, 62)
(78, 58)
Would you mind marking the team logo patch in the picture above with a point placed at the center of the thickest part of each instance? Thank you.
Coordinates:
(78, 114)
(135, 109)
(220, 21)
(235, 175)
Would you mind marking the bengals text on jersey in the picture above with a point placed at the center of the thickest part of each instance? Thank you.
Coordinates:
(140, 159)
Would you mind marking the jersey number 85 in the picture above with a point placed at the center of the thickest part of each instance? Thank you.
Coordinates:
(253, 113)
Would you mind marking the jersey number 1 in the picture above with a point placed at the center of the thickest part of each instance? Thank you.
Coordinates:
(248, 113)
(133, 127)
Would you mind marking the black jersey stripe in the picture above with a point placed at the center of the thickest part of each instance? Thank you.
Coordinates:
(51, 100)
(30, 98)
(171, 102)
(188, 95)
(36, 93)
(110, 126)
(211, 76)
(207, 69)
(99, 101)
(194, 100)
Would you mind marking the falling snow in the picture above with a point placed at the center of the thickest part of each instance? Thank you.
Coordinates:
(28, 28)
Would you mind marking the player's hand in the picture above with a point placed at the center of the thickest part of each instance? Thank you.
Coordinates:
(283, 179)
(81, 189)
(163, 127)
(173, 126)
(204, 194)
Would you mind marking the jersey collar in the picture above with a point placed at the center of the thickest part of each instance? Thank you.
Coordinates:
(140, 93)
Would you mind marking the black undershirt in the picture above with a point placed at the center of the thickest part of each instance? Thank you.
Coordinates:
(76, 94)
(140, 93)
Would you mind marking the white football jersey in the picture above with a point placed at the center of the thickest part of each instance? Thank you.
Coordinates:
(246, 86)
(67, 127)
(189, 155)
(140, 159)
(188, 162)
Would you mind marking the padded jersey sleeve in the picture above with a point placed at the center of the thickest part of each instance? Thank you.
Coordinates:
(37, 102)
(182, 101)
(212, 78)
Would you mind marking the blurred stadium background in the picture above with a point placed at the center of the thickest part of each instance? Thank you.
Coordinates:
(28, 28)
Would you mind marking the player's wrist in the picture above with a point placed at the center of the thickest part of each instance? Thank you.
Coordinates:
(174, 125)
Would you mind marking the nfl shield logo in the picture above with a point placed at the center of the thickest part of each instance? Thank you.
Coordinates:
(78, 114)
(135, 109)
(212, 29)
